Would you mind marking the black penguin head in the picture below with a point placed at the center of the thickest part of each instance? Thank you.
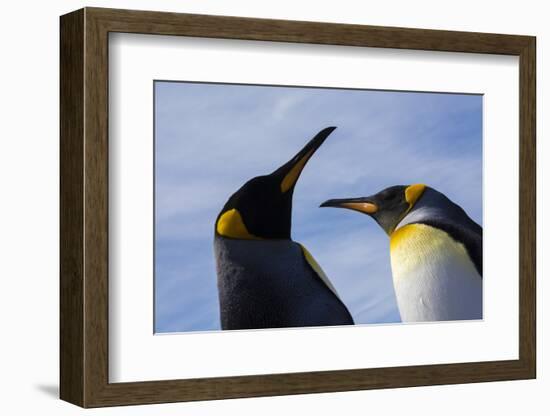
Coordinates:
(262, 207)
(387, 207)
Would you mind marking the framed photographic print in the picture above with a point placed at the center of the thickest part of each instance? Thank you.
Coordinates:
(255, 207)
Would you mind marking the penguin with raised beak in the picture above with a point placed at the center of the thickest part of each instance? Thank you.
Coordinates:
(266, 280)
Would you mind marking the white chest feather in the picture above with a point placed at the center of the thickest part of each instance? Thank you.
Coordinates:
(433, 276)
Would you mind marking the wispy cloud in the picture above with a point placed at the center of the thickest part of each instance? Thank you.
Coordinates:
(211, 138)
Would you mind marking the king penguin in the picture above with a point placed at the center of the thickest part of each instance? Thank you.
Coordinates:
(266, 280)
(435, 251)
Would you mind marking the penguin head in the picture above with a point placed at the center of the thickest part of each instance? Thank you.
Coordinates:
(388, 207)
(262, 207)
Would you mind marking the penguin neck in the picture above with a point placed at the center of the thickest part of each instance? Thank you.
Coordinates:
(254, 253)
(267, 241)
(432, 205)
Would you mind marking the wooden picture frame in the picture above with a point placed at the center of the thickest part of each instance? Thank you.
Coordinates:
(84, 207)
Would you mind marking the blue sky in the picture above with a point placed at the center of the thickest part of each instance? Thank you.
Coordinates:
(211, 138)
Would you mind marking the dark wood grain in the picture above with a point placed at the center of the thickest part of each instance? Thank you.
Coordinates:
(527, 208)
(84, 207)
(226, 27)
(96, 219)
(71, 100)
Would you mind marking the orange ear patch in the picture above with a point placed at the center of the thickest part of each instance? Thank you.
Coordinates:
(413, 192)
(230, 224)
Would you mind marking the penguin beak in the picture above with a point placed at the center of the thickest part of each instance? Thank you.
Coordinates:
(290, 171)
(364, 205)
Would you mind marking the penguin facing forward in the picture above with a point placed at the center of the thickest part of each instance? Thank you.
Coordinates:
(266, 280)
(435, 249)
